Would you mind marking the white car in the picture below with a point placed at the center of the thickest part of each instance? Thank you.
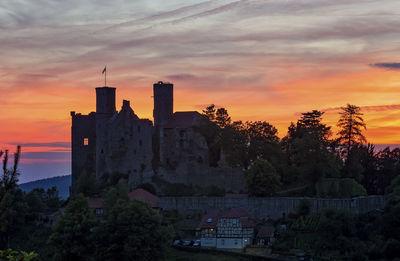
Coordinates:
(197, 243)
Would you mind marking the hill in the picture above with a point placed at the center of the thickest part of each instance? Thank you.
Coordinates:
(61, 182)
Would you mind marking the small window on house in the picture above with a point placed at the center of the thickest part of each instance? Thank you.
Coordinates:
(85, 141)
(234, 221)
(181, 144)
(140, 142)
(209, 220)
(182, 133)
(99, 211)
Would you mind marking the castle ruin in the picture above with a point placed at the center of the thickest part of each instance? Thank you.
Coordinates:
(109, 141)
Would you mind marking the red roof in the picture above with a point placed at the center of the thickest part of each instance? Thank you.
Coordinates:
(95, 203)
(209, 220)
(184, 119)
(141, 194)
(242, 214)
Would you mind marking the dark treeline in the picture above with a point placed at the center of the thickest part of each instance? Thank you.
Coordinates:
(40, 226)
(309, 161)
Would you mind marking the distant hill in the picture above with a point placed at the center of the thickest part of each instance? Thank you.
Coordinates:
(61, 182)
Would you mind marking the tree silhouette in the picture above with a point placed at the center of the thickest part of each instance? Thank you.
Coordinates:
(9, 178)
(222, 118)
(351, 124)
(209, 112)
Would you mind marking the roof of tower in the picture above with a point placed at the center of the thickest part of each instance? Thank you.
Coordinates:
(184, 119)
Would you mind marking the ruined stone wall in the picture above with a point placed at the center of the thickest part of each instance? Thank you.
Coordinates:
(185, 159)
(269, 207)
(129, 146)
(83, 155)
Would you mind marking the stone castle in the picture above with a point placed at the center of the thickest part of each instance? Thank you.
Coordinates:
(172, 149)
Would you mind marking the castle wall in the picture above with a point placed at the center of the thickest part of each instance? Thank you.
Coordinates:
(163, 103)
(261, 208)
(186, 160)
(105, 109)
(130, 150)
(83, 155)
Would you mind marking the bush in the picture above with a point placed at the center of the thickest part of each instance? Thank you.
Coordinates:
(212, 191)
(148, 187)
(304, 208)
(391, 249)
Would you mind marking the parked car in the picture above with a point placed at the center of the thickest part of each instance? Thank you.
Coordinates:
(197, 243)
(177, 242)
(188, 243)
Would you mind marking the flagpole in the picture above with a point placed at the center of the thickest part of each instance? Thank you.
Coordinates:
(105, 77)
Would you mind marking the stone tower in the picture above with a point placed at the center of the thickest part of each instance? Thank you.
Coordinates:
(163, 103)
(105, 109)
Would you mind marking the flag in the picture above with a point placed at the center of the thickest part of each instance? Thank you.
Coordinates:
(104, 70)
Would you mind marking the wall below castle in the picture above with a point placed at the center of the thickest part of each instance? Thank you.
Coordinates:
(269, 207)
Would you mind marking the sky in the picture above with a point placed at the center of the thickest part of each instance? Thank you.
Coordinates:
(260, 59)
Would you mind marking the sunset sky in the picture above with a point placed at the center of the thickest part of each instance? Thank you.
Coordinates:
(261, 59)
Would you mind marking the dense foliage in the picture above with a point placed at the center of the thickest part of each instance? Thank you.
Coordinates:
(128, 230)
(338, 234)
(308, 161)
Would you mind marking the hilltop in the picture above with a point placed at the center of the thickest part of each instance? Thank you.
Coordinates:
(61, 182)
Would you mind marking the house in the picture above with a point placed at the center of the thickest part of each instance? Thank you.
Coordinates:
(265, 236)
(208, 229)
(96, 204)
(144, 195)
(228, 230)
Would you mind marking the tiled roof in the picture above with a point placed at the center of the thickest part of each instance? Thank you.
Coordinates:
(95, 203)
(144, 195)
(213, 217)
(184, 119)
(242, 214)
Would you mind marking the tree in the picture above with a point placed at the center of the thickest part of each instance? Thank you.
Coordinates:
(72, 234)
(12, 255)
(262, 179)
(351, 124)
(132, 231)
(310, 151)
(311, 124)
(209, 112)
(87, 184)
(222, 118)
(115, 194)
(9, 178)
(12, 204)
(304, 207)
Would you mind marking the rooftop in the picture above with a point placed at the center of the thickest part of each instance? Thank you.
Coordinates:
(184, 119)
